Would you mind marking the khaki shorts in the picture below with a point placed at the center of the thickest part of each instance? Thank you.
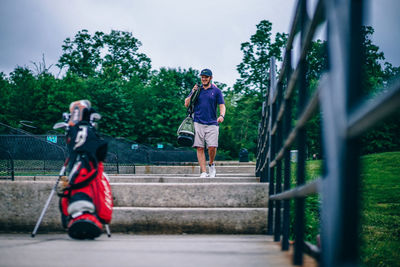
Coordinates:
(205, 134)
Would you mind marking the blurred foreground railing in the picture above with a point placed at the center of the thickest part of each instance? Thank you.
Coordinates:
(345, 116)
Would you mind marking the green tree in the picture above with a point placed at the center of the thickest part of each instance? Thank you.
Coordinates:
(252, 86)
(108, 98)
(240, 127)
(4, 98)
(317, 59)
(113, 56)
(254, 68)
(68, 89)
(160, 105)
(46, 85)
(29, 98)
(82, 55)
(378, 75)
(23, 97)
(122, 57)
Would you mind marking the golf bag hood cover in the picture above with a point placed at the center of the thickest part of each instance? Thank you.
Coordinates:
(79, 111)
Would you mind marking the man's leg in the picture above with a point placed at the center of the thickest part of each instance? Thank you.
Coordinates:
(201, 157)
(199, 145)
(212, 144)
(212, 151)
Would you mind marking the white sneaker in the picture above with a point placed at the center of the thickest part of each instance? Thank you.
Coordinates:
(212, 170)
(203, 175)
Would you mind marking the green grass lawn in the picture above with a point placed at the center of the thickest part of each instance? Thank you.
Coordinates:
(380, 212)
(380, 215)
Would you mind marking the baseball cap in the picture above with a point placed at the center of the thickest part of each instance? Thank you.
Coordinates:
(206, 72)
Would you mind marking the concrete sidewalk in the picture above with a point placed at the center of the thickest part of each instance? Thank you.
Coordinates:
(141, 250)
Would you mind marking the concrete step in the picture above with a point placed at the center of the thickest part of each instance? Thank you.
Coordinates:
(190, 194)
(154, 178)
(180, 175)
(195, 163)
(21, 194)
(190, 220)
(21, 203)
(185, 169)
(179, 179)
(157, 199)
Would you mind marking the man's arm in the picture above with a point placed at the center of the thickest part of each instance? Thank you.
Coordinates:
(222, 111)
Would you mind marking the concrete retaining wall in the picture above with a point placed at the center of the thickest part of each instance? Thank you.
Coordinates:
(144, 207)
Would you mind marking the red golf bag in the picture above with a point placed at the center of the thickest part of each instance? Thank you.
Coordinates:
(86, 201)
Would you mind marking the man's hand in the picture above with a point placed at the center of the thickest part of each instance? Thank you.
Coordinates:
(220, 119)
(195, 87)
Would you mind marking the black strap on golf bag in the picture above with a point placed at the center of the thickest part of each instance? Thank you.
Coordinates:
(193, 100)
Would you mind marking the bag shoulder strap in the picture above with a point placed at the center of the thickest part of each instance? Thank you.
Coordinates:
(193, 100)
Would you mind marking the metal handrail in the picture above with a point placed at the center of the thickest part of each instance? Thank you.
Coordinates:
(373, 111)
(304, 117)
(337, 95)
(300, 191)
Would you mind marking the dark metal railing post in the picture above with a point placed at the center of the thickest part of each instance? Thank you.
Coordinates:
(259, 145)
(271, 139)
(264, 176)
(340, 205)
(266, 139)
(271, 203)
(260, 140)
(278, 185)
(350, 180)
(301, 143)
(262, 149)
(287, 164)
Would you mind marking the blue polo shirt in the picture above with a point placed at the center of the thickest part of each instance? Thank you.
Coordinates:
(205, 110)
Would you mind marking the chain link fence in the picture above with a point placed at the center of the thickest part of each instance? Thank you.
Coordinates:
(128, 152)
(22, 153)
(6, 165)
(32, 154)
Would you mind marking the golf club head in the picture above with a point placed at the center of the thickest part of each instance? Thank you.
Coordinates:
(66, 116)
(59, 125)
(95, 117)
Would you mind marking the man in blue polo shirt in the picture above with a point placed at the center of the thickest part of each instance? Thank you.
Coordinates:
(206, 121)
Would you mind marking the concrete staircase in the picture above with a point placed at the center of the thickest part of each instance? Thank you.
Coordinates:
(157, 199)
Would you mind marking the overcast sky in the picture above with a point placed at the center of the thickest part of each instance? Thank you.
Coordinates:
(174, 33)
